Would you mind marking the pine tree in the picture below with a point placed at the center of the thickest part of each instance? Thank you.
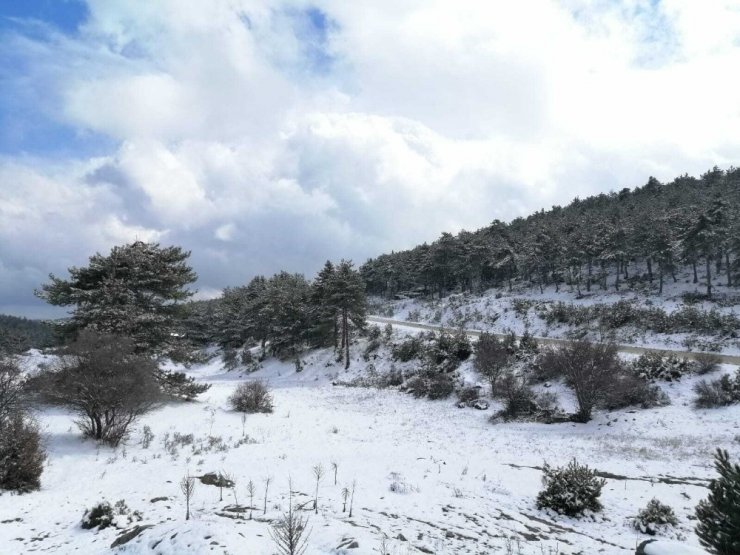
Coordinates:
(347, 297)
(135, 292)
(324, 315)
(719, 514)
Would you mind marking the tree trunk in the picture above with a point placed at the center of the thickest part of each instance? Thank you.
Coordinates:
(660, 278)
(346, 339)
(650, 270)
(588, 282)
(729, 268)
(616, 281)
(696, 277)
(709, 277)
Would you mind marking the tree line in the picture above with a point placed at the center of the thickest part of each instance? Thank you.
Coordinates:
(600, 241)
(286, 313)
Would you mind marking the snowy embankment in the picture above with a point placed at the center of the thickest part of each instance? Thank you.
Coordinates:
(431, 478)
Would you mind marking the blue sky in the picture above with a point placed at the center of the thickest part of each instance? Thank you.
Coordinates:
(276, 134)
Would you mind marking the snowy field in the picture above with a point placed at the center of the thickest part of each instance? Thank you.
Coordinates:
(430, 477)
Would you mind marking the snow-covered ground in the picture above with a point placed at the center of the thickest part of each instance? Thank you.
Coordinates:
(430, 477)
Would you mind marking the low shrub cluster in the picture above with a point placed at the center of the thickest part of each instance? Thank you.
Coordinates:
(251, 397)
(663, 366)
(443, 351)
(431, 384)
(627, 313)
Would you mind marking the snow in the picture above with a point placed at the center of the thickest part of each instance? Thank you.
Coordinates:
(443, 478)
(671, 548)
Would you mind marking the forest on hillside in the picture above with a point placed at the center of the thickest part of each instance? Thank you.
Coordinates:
(19, 334)
(602, 241)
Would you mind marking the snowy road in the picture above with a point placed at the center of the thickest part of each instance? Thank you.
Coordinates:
(725, 359)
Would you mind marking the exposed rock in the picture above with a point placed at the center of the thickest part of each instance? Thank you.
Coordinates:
(480, 404)
(129, 535)
(215, 479)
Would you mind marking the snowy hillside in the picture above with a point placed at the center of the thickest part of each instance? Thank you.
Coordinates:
(631, 316)
(430, 477)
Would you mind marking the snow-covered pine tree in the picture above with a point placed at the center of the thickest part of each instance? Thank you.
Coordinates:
(719, 514)
(324, 315)
(135, 291)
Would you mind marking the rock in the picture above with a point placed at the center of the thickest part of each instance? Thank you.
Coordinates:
(348, 543)
(401, 537)
(129, 535)
(461, 405)
(156, 499)
(480, 404)
(214, 479)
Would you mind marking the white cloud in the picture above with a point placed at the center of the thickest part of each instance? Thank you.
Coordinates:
(259, 147)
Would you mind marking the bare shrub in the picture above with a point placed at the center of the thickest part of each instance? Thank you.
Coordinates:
(21, 453)
(628, 390)
(251, 397)
(187, 486)
(717, 393)
(706, 362)
(103, 380)
(519, 399)
(491, 359)
(590, 369)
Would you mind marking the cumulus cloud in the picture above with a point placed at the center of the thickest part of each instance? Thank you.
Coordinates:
(266, 135)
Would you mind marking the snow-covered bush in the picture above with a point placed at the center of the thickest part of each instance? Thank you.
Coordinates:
(431, 384)
(628, 390)
(570, 490)
(661, 366)
(21, 453)
(654, 518)
(718, 393)
(100, 516)
(468, 394)
(440, 386)
(251, 397)
(719, 515)
(409, 349)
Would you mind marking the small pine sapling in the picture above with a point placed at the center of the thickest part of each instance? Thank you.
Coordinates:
(345, 495)
(352, 497)
(251, 491)
(291, 532)
(187, 486)
(335, 468)
(267, 487)
(318, 473)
